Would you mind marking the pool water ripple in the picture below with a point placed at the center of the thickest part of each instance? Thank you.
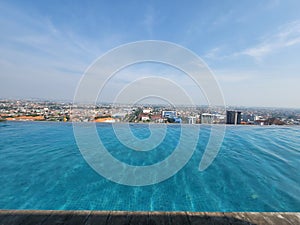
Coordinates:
(257, 169)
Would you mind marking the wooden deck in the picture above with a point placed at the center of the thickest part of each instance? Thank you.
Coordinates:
(49, 217)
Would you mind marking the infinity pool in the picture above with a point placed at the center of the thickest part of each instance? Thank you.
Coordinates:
(257, 169)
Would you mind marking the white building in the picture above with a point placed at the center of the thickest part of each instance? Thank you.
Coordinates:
(145, 118)
(207, 118)
(147, 111)
(192, 119)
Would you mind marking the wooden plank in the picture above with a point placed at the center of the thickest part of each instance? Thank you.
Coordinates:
(156, 218)
(293, 218)
(78, 218)
(14, 217)
(58, 218)
(275, 218)
(34, 217)
(206, 218)
(117, 218)
(141, 218)
(179, 218)
(97, 217)
(238, 218)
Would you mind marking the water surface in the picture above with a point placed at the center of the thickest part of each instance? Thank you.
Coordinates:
(257, 169)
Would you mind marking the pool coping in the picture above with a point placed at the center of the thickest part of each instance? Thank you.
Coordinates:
(86, 217)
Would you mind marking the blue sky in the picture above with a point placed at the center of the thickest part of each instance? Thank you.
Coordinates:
(253, 47)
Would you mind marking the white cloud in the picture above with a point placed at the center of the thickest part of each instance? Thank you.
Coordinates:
(213, 53)
(286, 36)
(149, 21)
(232, 78)
(158, 71)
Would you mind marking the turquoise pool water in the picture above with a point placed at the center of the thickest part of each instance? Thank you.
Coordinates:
(257, 169)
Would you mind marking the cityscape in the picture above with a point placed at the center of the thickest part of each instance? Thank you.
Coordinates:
(149, 112)
(38, 110)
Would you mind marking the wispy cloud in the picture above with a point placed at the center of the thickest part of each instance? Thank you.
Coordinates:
(149, 21)
(37, 43)
(213, 53)
(39, 58)
(224, 18)
(286, 36)
(234, 76)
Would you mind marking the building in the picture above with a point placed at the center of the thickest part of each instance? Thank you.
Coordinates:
(147, 111)
(157, 118)
(192, 119)
(206, 118)
(144, 117)
(169, 114)
(174, 120)
(233, 117)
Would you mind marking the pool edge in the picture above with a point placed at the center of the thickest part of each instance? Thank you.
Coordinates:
(86, 217)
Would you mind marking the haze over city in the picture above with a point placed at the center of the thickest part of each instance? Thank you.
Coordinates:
(252, 47)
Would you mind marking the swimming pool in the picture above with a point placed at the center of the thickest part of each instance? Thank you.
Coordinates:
(257, 169)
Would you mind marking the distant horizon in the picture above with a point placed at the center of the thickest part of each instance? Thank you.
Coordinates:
(68, 101)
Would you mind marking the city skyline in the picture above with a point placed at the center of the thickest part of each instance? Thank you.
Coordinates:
(251, 47)
(24, 110)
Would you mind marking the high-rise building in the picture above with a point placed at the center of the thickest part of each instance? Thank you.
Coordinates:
(233, 117)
